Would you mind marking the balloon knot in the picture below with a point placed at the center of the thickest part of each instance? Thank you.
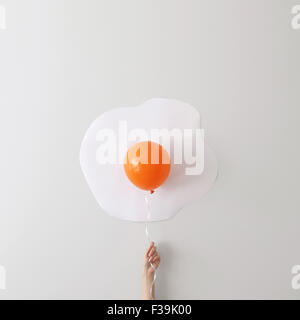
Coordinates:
(151, 191)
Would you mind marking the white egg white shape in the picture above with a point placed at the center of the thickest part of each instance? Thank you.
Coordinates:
(113, 191)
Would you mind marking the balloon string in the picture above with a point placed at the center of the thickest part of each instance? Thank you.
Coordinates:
(149, 240)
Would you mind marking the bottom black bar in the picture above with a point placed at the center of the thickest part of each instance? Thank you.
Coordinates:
(177, 309)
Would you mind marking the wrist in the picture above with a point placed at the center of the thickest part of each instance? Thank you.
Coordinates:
(148, 275)
(148, 272)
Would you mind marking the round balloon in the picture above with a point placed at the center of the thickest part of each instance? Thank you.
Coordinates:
(147, 165)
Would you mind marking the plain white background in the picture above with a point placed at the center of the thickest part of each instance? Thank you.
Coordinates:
(64, 62)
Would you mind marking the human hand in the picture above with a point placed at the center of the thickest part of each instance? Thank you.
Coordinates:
(151, 260)
(151, 263)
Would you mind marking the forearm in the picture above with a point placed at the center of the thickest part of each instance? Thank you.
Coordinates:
(148, 293)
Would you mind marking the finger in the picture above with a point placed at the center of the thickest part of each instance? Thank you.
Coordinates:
(149, 249)
(152, 251)
(156, 262)
(153, 257)
(156, 258)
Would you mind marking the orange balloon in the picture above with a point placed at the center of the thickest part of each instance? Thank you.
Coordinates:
(147, 165)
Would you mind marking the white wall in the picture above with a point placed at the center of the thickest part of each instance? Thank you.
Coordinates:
(63, 62)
